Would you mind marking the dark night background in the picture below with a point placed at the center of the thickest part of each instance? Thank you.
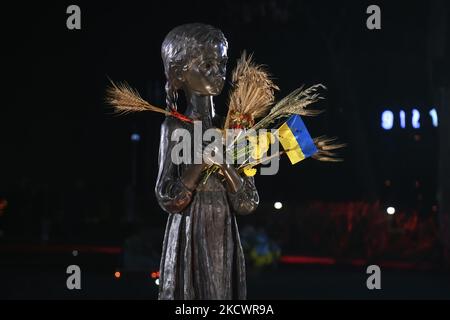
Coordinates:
(72, 179)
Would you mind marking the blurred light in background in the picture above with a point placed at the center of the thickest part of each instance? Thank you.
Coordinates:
(402, 119)
(135, 137)
(390, 210)
(415, 119)
(3, 205)
(278, 205)
(434, 117)
(387, 120)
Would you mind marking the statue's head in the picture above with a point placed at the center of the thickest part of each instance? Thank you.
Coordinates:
(195, 58)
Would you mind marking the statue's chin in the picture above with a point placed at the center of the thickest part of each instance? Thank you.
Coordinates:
(215, 91)
(210, 92)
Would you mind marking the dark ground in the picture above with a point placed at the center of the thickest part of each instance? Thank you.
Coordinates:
(283, 282)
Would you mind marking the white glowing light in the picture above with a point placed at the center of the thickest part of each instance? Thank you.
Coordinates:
(415, 119)
(278, 205)
(434, 117)
(402, 119)
(387, 120)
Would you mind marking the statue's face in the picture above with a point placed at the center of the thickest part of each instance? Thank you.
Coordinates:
(205, 75)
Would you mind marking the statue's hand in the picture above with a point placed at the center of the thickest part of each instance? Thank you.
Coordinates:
(213, 155)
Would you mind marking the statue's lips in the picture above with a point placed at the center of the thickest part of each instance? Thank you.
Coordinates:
(215, 88)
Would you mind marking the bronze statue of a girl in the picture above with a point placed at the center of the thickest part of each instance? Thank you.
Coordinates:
(202, 257)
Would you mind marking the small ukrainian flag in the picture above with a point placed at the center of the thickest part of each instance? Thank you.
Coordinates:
(295, 139)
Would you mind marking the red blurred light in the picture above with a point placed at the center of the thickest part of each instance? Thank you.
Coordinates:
(117, 274)
(306, 260)
(3, 203)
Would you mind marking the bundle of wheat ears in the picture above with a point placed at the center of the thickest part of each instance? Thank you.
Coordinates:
(252, 98)
(252, 94)
(251, 104)
(125, 99)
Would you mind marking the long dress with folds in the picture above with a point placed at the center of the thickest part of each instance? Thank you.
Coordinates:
(202, 256)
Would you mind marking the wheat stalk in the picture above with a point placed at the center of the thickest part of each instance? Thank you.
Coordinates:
(325, 146)
(125, 99)
(294, 103)
(252, 94)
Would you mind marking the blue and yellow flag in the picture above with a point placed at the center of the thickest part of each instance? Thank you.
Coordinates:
(295, 139)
